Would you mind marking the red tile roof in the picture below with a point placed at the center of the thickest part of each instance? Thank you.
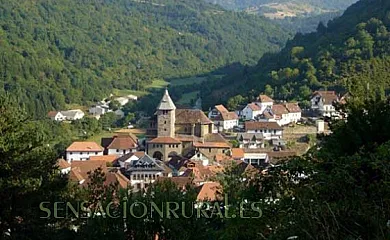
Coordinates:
(84, 147)
(106, 158)
(165, 140)
(328, 96)
(52, 113)
(209, 191)
(254, 107)
(264, 98)
(293, 107)
(211, 145)
(191, 116)
(62, 164)
(262, 125)
(238, 153)
(279, 109)
(221, 108)
(122, 142)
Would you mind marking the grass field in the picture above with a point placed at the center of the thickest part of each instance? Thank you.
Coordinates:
(157, 83)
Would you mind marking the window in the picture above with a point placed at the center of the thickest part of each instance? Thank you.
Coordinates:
(96, 153)
(70, 153)
(117, 150)
(165, 122)
(81, 153)
(210, 150)
(165, 129)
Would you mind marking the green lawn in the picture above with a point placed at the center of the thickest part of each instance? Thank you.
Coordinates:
(125, 92)
(158, 83)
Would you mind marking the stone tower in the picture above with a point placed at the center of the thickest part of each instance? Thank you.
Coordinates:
(166, 117)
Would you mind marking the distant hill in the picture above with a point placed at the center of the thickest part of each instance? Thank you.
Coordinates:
(54, 53)
(298, 7)
(351, 54)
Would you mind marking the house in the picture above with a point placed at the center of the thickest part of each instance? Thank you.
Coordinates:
(251, 140)
(122, 144)
(283, 114)
(223, 119)
(251, 111)
(109, 159)
(98, 110)
(81, 170)
(238, 153)
(322, 101)
(56, 116)
(64, 166)
(145, 171)
(255, 157)
(264, 102)
(294, 112)
(72, 115)
(126, 160)
(270, 130)
(202, 156)
(81, 151)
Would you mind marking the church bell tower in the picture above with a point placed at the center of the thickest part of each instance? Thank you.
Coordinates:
(166, 117)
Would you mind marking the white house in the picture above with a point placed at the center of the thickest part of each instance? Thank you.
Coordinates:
(56, 116)
(145, 171)
(222, 118)
(63, 166)
(251, 111)
(270, 130)
(126, 160)
(122, 144)
(294, 112)
(264, 102)
(251, 140)
(81, 151)
(255, 157)
(281, 114)
(72, 115)
(322, 101)
(201, 157)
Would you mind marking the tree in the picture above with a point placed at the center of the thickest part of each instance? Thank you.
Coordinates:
(114, 105)
(28, 175)
(235, 101)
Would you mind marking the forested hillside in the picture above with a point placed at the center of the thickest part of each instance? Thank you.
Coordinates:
(351, 54)
(69, 51)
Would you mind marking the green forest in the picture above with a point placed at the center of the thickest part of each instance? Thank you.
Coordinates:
(53, 53)
(351, 54)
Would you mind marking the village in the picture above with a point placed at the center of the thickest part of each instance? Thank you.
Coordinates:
(186, 146)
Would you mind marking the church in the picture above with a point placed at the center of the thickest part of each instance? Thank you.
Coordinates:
(182, 132)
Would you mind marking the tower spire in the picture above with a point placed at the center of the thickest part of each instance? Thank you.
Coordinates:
(166, 102)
